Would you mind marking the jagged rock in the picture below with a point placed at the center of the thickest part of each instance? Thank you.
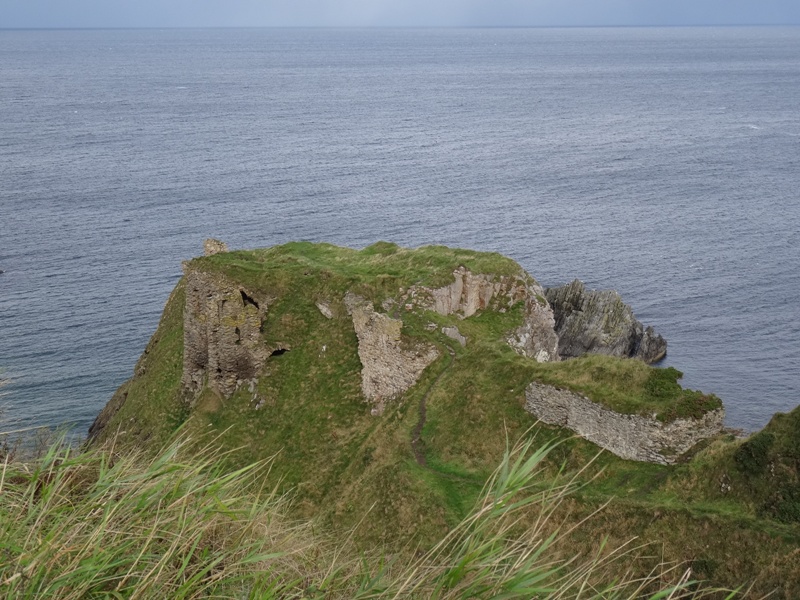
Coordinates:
(212, 246)
(633, 437)
(221, 334)
(536, 337)
(455, 334)
(599, 322)
(390, 365)
(471, 292)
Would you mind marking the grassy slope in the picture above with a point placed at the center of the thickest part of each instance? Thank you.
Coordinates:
(155, 409)
(116, 523)
(342, 464)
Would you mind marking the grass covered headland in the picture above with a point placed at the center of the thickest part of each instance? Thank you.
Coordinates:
(376, 392)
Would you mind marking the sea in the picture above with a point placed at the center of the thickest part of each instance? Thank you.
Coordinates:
(662, 163)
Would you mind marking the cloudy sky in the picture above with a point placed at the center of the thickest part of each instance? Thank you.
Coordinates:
(231, 13)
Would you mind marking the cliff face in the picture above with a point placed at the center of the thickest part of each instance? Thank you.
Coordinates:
(599, 322)
(342, 367)
(230, 330)
(228, 343)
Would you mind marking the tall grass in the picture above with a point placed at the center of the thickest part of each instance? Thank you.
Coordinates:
(100, 523)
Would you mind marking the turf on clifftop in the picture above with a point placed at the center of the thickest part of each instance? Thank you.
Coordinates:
(350, 467)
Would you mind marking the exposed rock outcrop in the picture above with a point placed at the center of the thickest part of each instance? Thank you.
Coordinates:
(471, 292)
(221, 333)
(536, 337)
(325, 309)
(454, 334)
(390, 365)
(632, 437)
(599, 322)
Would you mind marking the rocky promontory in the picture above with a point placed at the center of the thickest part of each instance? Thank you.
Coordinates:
(382, 385)
(242, 312)
(599, 322)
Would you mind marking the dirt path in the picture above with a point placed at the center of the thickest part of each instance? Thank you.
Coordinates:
(417, 443)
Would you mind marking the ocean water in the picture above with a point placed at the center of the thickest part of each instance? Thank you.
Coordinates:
(664, 163)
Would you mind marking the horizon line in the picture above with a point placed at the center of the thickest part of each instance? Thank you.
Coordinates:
(616, 26)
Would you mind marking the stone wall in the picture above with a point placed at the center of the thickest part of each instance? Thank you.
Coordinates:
(212, 246)
(632, 437)
(222, 343)
(536, 338)
(390, 365)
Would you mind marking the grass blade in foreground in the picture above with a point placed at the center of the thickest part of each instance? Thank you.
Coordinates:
(97, 523)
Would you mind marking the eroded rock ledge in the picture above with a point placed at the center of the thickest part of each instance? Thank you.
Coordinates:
(390, 364)
(599, 322)
(632, 437)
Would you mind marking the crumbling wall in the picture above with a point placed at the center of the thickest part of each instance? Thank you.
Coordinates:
(390, 365)
(632, 437)
(471, 292)
(222, 342)
(212, 246)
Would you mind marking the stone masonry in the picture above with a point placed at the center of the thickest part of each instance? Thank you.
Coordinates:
(471, 292)
(390, 365)
(221, 334)
(632, 437)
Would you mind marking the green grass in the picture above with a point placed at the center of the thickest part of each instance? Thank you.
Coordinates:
(382, 267)
(629, 386)
(355, 473)
(101, 523)
(158, 408)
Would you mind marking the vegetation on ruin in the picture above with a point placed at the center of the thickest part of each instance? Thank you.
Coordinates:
(728, 512)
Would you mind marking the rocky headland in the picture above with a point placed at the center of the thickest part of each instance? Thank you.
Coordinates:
(599, 322)
(225, 345)
(386, 383)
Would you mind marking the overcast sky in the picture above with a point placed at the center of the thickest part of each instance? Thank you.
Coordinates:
(232, 13)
